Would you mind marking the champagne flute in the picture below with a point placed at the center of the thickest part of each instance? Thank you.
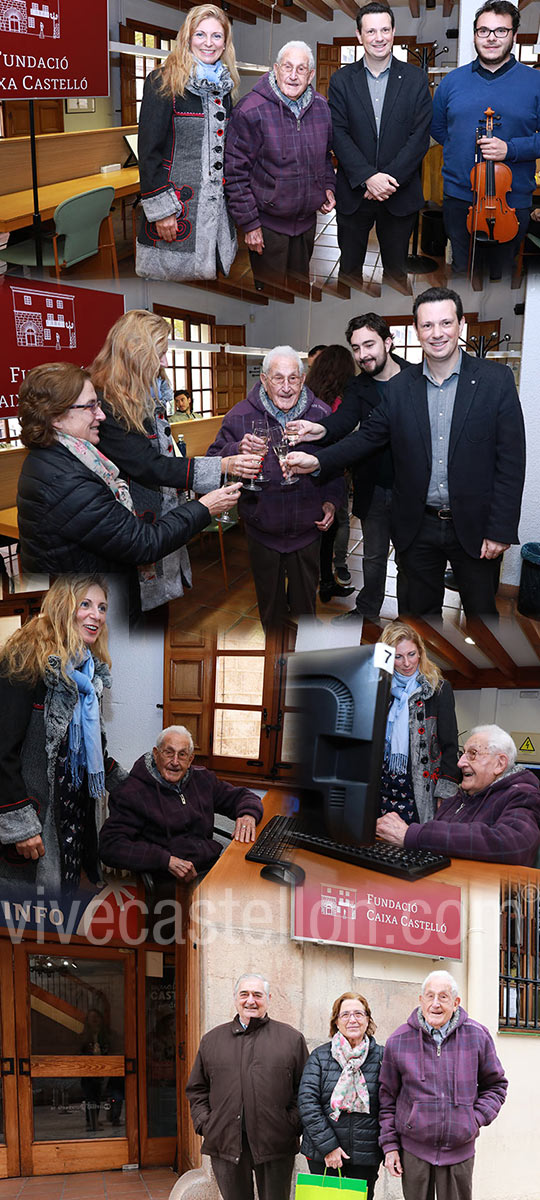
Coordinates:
(282, 447)
(260, 430)
(251, 485)
(225, 516)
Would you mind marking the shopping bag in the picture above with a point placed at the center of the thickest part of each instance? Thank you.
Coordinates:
(310, 1187)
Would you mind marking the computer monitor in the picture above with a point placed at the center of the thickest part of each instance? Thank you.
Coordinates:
(341, 700)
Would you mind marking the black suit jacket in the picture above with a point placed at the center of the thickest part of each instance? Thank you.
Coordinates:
(359, 400)
(486, 459)
(403, 139)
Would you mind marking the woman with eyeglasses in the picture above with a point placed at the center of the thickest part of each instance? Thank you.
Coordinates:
(54, 767)
(421, 747)
(185, 230)
(75, 510)
(132, 385)
(338, 1098)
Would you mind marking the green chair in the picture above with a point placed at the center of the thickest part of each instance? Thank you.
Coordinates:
(77, 225)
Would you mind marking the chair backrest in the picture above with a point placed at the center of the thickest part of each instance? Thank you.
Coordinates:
(78, 220)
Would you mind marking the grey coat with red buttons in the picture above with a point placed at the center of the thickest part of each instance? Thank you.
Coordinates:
(433, 746)
(248, 1079)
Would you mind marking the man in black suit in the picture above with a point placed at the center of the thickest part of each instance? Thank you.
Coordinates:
(381, 116)
(371, 343)
(455, 427)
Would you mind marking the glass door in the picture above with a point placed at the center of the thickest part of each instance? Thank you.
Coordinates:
(76, 1058)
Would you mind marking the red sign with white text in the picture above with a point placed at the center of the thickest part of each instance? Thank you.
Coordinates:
(49, 322)
(379, 913)
(53, 48)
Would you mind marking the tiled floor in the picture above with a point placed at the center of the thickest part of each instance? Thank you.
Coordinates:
(151, 1184)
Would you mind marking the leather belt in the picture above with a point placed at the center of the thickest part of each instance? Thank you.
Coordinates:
(444, 514)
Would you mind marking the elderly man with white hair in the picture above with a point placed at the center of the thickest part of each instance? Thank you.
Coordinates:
(243, 1091)
(493, 817)
(278, 167)
(283, 520)
(161, 818)
(440, 1082)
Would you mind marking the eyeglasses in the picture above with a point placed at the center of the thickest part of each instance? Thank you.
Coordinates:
(92, 406)
(473, 753)
(288, 69)
(352, 1016)
(501, 31)
(170, 754)
(294, 380)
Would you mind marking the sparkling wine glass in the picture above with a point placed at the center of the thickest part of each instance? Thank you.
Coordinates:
(282, 447)
(260, 430)
(225, 517)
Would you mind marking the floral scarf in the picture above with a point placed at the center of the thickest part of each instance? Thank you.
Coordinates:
(351, 1091)
(101, 466)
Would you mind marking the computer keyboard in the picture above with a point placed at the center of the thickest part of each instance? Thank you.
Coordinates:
(282, 834)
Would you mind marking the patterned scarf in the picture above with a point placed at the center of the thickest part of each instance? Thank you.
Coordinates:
(204, 85)
(85, 751)
(396, 746)
(283, 418)
(351, 1091)
(95, 461)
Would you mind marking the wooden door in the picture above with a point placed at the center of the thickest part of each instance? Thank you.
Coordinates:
(9, 1116)
(328, 61)
(229, 369)
(159, 1055)
(48, 114)
(76, 1058)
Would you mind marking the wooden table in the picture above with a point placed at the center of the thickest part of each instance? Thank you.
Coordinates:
(16, 208)
(8, 523)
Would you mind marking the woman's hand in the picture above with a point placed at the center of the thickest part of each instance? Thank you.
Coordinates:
(31, 847)
(222, 499)
(252, 445)
(245, 465)
(335, 1158)
(305, 431)
(166, 228)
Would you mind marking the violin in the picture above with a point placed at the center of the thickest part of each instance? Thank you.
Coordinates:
(490, 217)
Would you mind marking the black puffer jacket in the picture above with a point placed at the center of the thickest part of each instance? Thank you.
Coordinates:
(356, 1133)
(69, 520)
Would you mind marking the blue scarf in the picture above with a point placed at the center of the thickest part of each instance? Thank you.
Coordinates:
(396, 746)
(85, 747)
(210, 71)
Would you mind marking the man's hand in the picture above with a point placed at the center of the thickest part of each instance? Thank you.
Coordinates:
(305, 431)
(392, 1163)
(299, 463)
(381, 186)
(252, 445)
(329, 510)
(31, 847)
(182, 869)
(254, 239)
(335, 1158)
(329, 203)
(166, 228)
(493, 549)
(493, 148)
(392, 829)
(244, 830)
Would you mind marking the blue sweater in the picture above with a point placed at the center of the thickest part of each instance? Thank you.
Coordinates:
(460, 101)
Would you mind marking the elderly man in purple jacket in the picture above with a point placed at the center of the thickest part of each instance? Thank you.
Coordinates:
(493, 817)
(440, 1082)
(161, 818)
(278, 166)
(283, 522)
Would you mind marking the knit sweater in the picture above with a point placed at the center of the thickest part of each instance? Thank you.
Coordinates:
(460, 102)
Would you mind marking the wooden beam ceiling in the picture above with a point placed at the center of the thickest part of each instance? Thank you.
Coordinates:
(461, 671)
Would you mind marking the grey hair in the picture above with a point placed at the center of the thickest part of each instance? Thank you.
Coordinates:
(252, 975)
(282, 352)
(181, 729)
(444, 975)
(297, 46)
(499, 742)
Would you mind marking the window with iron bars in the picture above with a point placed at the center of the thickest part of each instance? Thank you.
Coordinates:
(519, 972)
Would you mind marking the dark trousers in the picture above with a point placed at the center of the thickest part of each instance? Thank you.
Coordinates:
(424, 563)
(282, 256)
(422, 1181)
(235, 1180)
(376, 536)
(393, 235)
(286, 584)
(349, 1171)
(499, 257)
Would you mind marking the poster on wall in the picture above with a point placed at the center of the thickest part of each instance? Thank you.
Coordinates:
(53, 49)
(379, 913)
(49, 322)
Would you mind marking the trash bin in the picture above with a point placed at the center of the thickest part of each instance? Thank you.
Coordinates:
(529, 584)
(433, 239)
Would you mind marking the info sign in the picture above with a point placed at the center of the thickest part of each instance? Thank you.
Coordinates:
(49, 322)
(53, 48)
(379, 913)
